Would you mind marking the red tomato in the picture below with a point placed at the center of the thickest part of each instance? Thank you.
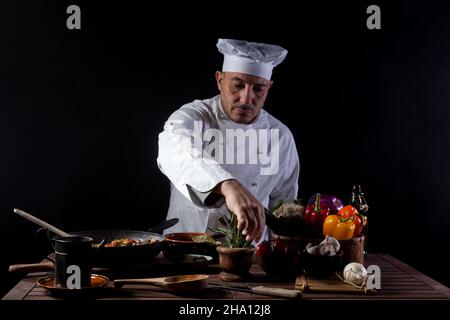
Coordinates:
(263, 248)
(279, 246)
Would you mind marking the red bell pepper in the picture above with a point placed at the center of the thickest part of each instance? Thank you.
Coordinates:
(350, 212)
(316, 213)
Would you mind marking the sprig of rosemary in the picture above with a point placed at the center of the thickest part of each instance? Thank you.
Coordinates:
(234, 237)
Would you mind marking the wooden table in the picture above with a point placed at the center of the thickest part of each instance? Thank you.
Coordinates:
(398, 282)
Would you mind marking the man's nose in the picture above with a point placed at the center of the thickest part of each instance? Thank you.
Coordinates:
(246, 95)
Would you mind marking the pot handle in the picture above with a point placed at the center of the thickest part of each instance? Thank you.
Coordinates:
(43, 237)
(48, 235)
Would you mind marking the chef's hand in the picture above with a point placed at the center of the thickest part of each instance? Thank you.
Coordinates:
(248, 210)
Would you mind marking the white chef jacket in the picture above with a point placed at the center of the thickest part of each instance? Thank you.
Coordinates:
(192, 173)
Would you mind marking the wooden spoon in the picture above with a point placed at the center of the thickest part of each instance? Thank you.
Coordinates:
(175, 284)
(41, 223)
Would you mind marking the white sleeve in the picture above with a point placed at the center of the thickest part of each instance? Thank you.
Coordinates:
(287, 186)
(181, 159)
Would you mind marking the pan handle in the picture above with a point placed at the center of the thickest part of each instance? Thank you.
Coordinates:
(159, 228)
(43, 241)
(32, 267)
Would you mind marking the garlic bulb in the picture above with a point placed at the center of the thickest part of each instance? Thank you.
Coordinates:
(328, 247)
(355, 272)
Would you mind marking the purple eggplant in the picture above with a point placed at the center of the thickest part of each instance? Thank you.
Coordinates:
(333, 203)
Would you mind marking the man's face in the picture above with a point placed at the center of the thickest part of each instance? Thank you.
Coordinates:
(242, 95)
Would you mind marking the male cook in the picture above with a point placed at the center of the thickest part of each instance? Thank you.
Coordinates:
(227, 153)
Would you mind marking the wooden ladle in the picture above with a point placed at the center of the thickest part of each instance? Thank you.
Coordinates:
(175, 284)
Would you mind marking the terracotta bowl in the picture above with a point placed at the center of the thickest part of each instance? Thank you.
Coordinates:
(236, 260)
(182, 243)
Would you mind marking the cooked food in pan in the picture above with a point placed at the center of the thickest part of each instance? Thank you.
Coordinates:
(127, 243)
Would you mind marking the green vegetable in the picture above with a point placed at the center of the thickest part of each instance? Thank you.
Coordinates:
(234, 236)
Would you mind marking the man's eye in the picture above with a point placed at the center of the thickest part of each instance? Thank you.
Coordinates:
(238, 86)
(258, 90)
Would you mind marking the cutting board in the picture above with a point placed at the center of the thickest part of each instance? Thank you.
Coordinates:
(328, 285)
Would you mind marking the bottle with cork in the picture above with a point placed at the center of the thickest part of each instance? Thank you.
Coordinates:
(360, 203)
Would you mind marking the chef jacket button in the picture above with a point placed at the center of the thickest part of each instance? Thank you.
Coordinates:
(254, 184)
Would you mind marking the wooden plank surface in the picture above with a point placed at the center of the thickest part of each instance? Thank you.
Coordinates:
(398, 281)
(417, 275)
(24, 287)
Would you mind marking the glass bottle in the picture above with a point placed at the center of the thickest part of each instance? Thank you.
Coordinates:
(356, 191)
(360, 203)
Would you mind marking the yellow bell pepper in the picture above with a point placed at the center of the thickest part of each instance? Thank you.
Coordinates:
(338, 227)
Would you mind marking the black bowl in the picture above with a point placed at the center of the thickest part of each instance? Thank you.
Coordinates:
(278, 266)
(321, 266)
(192, 261)
(181, 243)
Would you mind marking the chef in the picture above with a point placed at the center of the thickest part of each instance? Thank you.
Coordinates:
(227, 153)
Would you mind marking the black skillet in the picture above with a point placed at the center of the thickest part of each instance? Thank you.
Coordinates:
(129, 256)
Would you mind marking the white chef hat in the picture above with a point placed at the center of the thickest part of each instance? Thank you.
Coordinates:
(253, 58)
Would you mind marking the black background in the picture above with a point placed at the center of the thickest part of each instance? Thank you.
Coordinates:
(80, 112)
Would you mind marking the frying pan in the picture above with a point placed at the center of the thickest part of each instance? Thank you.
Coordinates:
(110, 257)
(113, 257)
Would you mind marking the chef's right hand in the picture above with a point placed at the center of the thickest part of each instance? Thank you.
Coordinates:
(248, 210)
